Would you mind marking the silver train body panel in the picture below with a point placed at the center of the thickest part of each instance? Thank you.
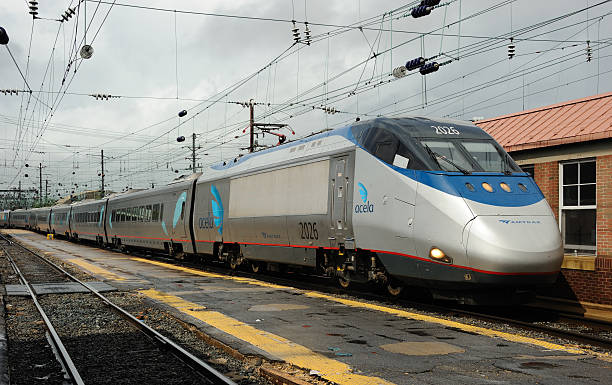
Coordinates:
(281, 205)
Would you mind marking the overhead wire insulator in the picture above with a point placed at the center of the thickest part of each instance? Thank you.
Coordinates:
(415, 63)
(67, 15)
(420, 11)
(399, 72)
(33, 6)
(10, 92)
(511, 49)
(589, 54)
(296, 33)
(430, 3)
(307, 33)
(429, 68)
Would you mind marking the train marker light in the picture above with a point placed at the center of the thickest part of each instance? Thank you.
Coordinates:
(439, 255)
(487, 187)
(522, 187)
(505, 187)
(470, 187)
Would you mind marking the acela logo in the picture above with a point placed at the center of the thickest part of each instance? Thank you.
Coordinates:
(217, 209)
(366, 207)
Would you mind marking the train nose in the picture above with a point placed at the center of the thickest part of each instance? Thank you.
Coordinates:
(515, 244)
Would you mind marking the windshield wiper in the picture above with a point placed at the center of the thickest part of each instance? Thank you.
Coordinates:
(435, 156)
(506, 165)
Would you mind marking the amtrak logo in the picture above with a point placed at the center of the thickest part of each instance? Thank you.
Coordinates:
(366, 207)
(524, 222)
(217, 209)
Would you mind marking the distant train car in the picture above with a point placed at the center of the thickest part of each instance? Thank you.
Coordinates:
(60, 220)
(42, 219)
(19, 218)
(155, 219)
(5, 221)
(87, 220)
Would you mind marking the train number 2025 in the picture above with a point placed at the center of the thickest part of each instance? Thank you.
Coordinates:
(308, 230)
(445, 130)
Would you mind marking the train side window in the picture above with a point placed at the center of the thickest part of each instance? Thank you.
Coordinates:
(161, 212)
(141, 213)
(183, 211)
(155, 214)
(149, 213)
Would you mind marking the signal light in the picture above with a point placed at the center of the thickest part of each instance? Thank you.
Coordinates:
(415, 63)
(421, 11)
(429, 68)
(182, 113)
(511, 49)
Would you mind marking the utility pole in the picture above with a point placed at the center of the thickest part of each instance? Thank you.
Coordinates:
(46, 189)
(102, 159)
(193, 150)
(251, 125)
(265, 127)
(40, 182)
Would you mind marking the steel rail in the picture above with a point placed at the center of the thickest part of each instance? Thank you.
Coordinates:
(209, 373)
(63, 353)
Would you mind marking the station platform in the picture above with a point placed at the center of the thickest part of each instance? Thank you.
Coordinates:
(337, 338)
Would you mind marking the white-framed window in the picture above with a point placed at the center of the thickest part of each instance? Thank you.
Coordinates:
(578, 206)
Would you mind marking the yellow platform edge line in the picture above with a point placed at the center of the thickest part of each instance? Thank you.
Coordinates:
(399, 313)
(278, 346)
(96, 269)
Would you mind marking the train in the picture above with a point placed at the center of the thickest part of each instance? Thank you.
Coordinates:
(400, 202)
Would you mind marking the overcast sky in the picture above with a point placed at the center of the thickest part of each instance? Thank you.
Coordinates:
(204, 59)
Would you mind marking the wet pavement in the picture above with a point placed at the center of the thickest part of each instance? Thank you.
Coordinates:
(338, 338)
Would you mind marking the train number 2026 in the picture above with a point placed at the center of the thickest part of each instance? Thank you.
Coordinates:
(308, 230)
(445, 130)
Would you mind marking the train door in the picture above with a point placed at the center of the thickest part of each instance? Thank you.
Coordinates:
(179, 217)
(339, 184)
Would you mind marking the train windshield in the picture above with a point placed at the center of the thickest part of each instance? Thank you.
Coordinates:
(468, 156)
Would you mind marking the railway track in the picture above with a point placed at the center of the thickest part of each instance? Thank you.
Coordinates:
(96, 341)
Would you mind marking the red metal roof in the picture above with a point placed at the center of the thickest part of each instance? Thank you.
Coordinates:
(575, 121)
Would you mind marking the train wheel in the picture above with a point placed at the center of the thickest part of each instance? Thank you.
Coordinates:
(344, 283)
(233, 263)
(394, 288)
(255, 266)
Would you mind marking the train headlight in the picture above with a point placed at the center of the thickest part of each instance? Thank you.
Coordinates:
(438, 255)
(505, 187)
(487, 187)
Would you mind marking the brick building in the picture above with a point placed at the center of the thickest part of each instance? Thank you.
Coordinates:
(567, 147)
